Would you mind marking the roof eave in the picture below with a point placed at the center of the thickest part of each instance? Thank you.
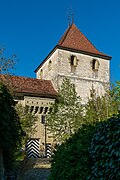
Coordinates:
(85, 52)
(22, 94)
(73, 50)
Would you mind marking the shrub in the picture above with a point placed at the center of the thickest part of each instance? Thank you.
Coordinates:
(71, 160)
(105, 150)
(10, 128)
(91, 153)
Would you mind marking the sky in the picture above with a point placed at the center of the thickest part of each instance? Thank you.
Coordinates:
(32, 28)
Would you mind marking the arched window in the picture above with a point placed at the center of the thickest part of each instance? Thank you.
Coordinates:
(73, 60)
(95, 65)
(41, 74)
(49, 65)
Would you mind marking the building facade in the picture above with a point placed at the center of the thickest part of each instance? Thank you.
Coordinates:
(74, 57)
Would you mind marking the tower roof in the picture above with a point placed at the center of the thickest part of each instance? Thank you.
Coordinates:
(74, 39)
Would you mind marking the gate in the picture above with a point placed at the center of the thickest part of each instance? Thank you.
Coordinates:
(33, 148)
(48, 150)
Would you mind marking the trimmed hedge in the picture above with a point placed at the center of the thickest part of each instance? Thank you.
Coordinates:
(105, 150)
(91, 153)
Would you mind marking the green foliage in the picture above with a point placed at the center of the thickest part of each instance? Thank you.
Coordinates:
(66, 116)
(6, 64)
(105, 150)
(10, 127)
(93, 152)
(97, 108)
(71, 160)
(27, 120)
(115, 97)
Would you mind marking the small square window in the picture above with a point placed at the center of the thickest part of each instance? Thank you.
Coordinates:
(43, 119)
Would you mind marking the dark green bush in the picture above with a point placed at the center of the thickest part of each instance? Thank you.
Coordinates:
(71, 160)
(105, 150)
(10, 127)
(91, 153)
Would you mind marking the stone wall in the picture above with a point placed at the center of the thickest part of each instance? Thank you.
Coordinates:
(83, 76)
(40, 107)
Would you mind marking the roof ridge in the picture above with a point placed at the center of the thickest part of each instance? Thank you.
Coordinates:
(64, 35)
(20, 84)
(17, 76)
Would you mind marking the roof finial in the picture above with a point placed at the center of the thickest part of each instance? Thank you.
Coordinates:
(72, 18)
(68, 21)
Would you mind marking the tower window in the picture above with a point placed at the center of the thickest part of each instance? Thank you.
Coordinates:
(95, 65)
(73, 60)
(41, 74)
(49, 65)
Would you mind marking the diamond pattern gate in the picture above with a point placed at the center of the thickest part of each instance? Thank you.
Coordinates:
(33, 148)
(48, 150)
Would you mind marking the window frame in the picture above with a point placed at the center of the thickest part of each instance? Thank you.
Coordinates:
(41, 73)
(73, 60)
(95, 65)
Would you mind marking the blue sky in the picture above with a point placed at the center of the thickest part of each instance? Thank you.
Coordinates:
(31, 28)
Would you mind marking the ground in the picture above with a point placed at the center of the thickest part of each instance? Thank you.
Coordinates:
(34, 169)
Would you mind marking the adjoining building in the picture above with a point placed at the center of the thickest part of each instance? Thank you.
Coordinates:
(74, 57)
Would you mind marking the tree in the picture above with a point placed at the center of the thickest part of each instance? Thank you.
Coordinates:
(6, 64)
(98, 108)
(67, 112)
(92, 152)
(115, 97)
(10, 129)
(27, 120)
(71, 159)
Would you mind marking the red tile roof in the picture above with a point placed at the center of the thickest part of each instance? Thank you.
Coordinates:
(30, 85)
(74, 39)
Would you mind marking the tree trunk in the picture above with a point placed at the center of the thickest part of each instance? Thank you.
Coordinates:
(1, 165)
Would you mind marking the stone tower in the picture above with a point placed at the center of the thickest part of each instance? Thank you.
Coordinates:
(75, 57)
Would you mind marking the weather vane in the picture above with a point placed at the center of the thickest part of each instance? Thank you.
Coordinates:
(70, 18)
